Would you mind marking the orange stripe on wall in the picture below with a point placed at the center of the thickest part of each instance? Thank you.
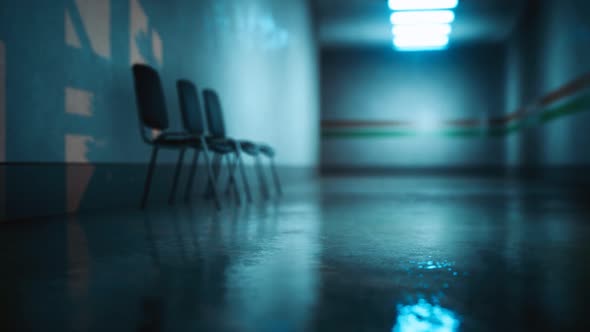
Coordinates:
(356, 123)
(567, 90)
(504, 120)
(465, 123)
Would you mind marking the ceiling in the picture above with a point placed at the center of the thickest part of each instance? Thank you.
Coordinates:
(365, 23)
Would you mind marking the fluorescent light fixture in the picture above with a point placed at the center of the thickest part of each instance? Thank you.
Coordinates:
(422, 4)
(423, 17)
(421, 49)
(421, 42)
(422, 29)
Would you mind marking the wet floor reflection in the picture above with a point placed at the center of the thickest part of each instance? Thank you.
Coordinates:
(168, 270)
(500, 259)
(423, 311)
(425, 317)
(274, 289)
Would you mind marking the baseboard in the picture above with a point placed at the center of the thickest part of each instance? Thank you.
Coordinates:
(566, 173)
(33, 190)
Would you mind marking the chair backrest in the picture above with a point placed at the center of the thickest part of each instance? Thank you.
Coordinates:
(214, 113)
(151, 103)
(190, 107)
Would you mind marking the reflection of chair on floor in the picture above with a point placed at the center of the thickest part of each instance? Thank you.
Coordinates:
(192, 119)
(217, 131)
(154, 117)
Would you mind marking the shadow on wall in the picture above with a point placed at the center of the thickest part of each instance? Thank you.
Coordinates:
(72, 139)
(547, 56)
(73, 99)
(88, 30)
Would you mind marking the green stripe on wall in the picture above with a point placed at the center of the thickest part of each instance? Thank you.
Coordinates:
(575, 106)
(581, 104)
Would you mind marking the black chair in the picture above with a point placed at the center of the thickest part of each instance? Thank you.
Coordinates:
(192, 119)
(153, 117)
(217, 130)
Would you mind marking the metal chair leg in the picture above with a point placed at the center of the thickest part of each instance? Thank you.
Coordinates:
(260, 173)
(217, 160)
(148, 179)
(228, 187)
(232, 183)
(210, 175)
(189, 185)
(276, 178)
(172, 196)
(216, 168)
(243, 174)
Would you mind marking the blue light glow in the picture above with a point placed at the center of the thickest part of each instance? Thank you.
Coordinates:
(422, 4)
(422, 29)
(421, 49)
(421, 42)
(425, 317)
(426, 123)
(423, 17)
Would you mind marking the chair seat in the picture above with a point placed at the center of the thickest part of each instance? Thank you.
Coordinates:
(267, 150)
(173, 140)
(254, 149)
(221, 145)
(227, 145)
(178, 140)
(249, 148)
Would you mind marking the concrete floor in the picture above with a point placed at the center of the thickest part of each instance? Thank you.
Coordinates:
(340, 254)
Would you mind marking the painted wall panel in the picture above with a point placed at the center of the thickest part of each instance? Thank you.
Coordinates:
(72, 75)
(400, 104)
(547, 52)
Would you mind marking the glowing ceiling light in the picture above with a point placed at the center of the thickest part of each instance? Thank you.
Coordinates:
(423, 17)
(422, 29)
(422, 4)
(421, 49)
(421, 42)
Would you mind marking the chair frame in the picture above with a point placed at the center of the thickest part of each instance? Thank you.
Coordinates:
(218, 147)
(165, 139)
(255, 152)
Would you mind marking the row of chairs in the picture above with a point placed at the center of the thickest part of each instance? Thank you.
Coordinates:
(154, 127)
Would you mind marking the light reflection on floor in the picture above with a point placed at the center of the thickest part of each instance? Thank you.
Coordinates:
(417, 313)
(425, 317)
(336, 257)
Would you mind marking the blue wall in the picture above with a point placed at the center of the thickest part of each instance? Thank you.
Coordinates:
(69, 135)
(425, 89)
(68, 80)
(549, 49)
(521, 104)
